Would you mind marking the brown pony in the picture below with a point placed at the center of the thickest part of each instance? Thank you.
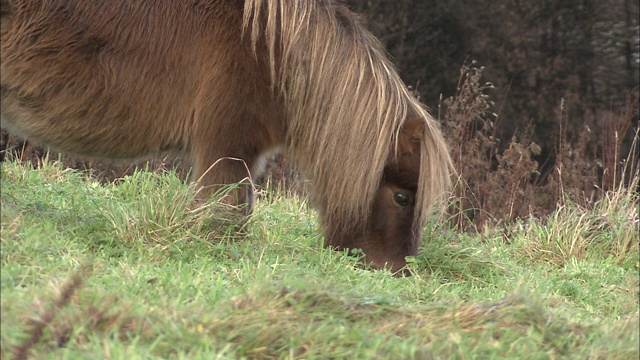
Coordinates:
(221, 79)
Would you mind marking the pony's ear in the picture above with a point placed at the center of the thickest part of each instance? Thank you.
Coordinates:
(410, 136)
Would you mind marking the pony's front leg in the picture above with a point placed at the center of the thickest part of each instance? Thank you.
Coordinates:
(229, 145)
(224, 186)
(226, 178)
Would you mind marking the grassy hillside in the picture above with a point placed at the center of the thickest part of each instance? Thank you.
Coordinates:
(131, 271)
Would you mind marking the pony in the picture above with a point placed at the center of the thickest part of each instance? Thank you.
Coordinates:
(220, 80)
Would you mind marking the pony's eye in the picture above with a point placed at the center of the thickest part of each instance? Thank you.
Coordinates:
(402, 199)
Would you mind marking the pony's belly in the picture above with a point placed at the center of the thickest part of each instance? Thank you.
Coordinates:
(83, 135)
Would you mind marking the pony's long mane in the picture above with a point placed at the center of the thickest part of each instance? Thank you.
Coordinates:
(343, 97)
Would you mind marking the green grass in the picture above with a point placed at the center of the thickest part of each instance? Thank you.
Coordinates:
(134, 271)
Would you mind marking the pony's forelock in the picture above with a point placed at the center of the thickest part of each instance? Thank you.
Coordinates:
(345, 105)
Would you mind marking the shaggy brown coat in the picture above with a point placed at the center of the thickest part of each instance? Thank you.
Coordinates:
(225, 80)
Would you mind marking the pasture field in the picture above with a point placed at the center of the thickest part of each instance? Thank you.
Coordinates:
(132, 271)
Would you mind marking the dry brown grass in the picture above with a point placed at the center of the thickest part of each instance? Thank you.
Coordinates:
(500, 185)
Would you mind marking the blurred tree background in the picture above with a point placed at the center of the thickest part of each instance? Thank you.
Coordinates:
(581, 55)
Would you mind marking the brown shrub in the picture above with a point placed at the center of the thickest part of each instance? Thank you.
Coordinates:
(501, 185)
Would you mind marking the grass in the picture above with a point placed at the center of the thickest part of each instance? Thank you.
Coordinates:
(133, 271)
